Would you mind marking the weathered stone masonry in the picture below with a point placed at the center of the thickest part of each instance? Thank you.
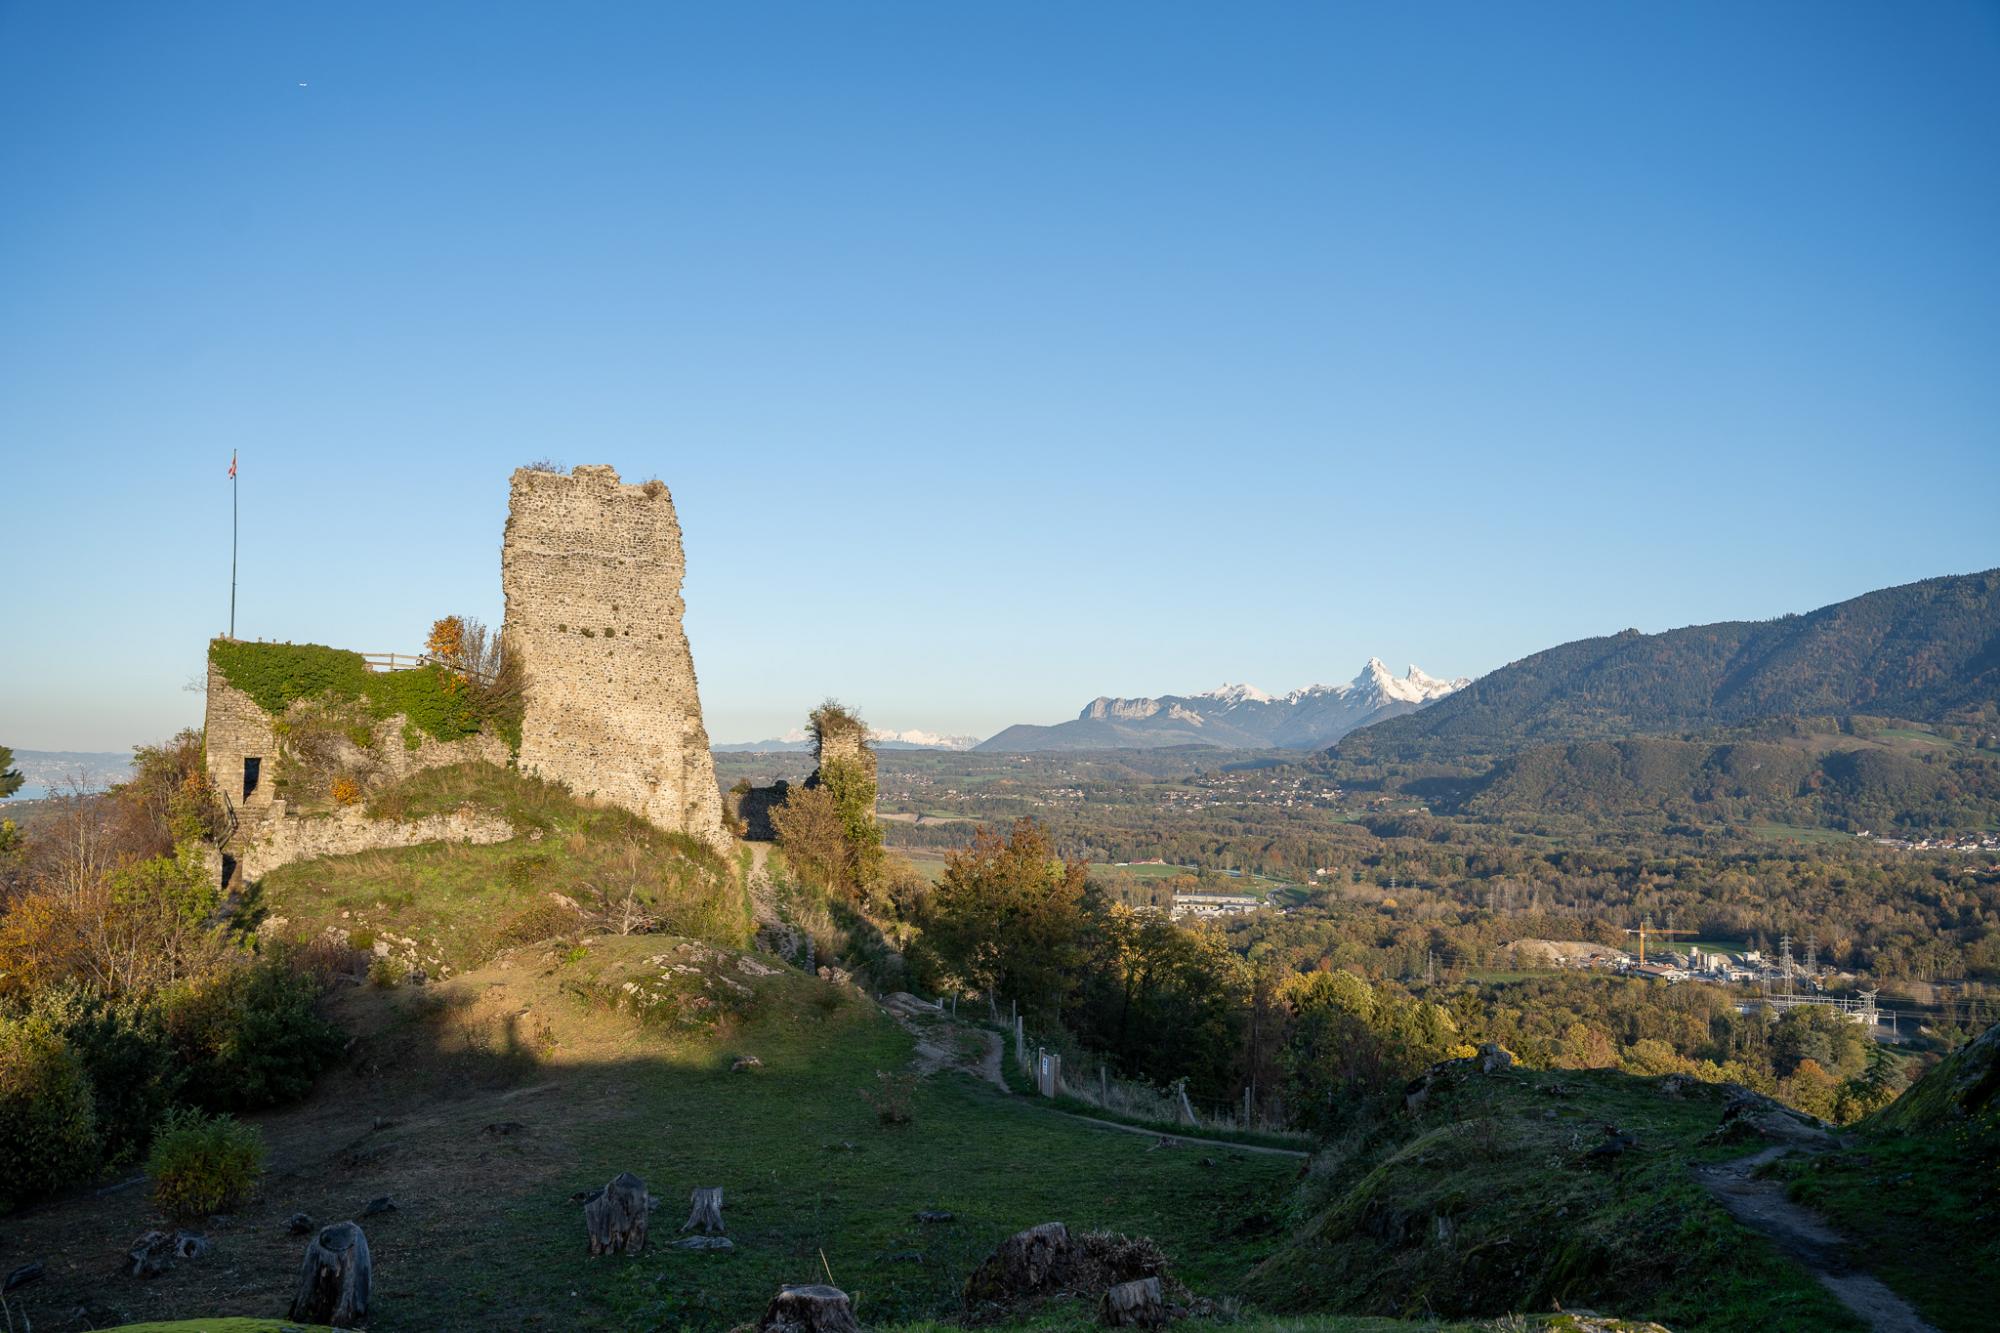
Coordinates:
(592, 574)
(245, 762)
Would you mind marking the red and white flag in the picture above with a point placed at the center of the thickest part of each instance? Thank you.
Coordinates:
(232, 465)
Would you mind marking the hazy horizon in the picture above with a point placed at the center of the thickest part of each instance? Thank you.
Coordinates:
(996, 359)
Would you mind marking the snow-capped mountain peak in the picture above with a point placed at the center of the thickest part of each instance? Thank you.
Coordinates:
(1236, 694)
(921, 740)
(1236, 716)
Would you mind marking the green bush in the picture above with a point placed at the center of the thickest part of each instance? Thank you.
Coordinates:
(203, 1164)
(127, 1058)
(250, 1036)
(48, 1122)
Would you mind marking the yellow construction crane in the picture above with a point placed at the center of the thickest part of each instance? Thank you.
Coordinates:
(1646, 927)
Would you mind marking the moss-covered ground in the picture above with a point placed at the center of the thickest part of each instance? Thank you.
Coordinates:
(1488, 1194)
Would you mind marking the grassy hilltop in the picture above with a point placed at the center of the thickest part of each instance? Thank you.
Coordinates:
(551, 1055)
(541, 1052)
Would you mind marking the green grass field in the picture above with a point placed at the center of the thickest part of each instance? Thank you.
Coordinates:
(1137, 871)
(1794, 833)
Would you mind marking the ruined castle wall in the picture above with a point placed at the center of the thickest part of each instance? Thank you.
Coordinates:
(592, 574)
(236, 728)
(278, 842)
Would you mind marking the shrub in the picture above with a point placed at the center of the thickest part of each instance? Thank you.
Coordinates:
(203, 1164)
(126, 1057)
(893, 1097)
(249, 1036)
(344, 790)
(48, 1122)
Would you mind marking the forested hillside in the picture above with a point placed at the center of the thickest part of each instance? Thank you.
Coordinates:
(1908, 779)
(1927, 651)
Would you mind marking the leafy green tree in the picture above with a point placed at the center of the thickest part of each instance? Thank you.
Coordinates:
(1164, 1002)
(10, 777)
(851, 785)
(1009, 918)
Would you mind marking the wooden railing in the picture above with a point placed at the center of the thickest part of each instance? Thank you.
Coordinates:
(411, 661)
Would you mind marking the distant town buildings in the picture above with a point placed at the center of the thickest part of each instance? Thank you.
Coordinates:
(1214, 904)
(1969, 844)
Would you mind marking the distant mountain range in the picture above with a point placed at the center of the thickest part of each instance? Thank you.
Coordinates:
(882, 740)
(1925, 652)
(1236, 717)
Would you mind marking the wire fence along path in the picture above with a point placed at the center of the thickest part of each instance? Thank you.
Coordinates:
(1091, 1082)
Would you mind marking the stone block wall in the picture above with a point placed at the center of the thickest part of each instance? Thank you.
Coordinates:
(235, 728)
(278, 842)
(592, 572)
(839, 737)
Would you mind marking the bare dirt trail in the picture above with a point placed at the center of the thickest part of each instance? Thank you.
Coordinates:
(1806, 1238)
(763, 898)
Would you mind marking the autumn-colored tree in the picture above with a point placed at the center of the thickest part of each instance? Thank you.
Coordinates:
(447, 639)
(810, 831)
(446, 644)
(1009, 918)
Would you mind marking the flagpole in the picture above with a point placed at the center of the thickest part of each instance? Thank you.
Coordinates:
(232, 545)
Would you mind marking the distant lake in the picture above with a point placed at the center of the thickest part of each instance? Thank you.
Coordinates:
(30, 791)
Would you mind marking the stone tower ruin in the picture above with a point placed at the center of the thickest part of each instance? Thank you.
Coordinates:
(592, 574)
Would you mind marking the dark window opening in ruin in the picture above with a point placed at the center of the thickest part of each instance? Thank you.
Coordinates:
(252, 770)
(228, 870)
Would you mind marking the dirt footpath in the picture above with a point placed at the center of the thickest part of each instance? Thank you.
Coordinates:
(1804, 1235)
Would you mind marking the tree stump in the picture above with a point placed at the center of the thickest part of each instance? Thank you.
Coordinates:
(1135, 1304)
(810, 1309)
(333, 1281)
(154, 1253)
(617, 1217)
(1026, 1264)
(706, 1213)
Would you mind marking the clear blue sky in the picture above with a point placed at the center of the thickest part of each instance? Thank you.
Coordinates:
(997, 355)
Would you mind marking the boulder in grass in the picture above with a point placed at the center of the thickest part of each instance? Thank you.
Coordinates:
(703, 1243)
(1137, 1304)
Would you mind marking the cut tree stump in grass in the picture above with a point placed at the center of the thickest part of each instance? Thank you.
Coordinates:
(1135, 1304)
(617, 1217)
(154, 1253)
(705, 1214)
(334, 1280)
(809, 1309)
